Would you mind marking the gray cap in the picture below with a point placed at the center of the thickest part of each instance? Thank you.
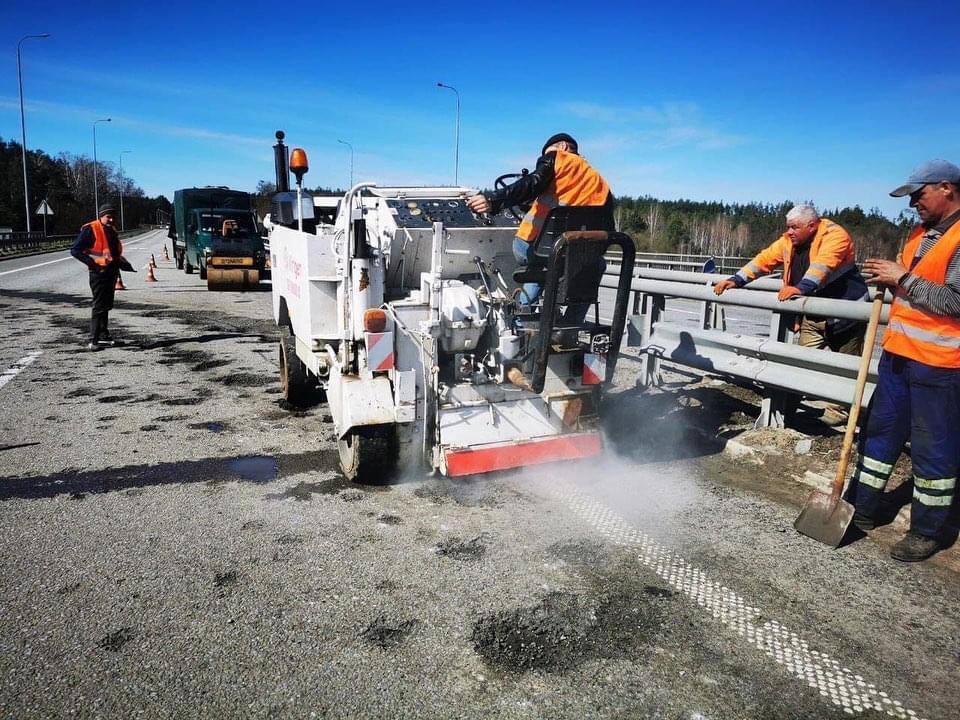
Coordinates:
(933, 171)
(105, 210)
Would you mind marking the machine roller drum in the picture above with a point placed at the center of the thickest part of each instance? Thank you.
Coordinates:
(232, 278)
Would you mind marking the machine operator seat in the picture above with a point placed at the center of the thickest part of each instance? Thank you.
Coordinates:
(583, 261)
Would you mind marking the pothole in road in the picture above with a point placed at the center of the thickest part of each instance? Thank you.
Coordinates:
(463, 492)
(214, 426)
(256, 468)
(115, 641)
(463, 550)
(564, 630)
(209, 364)
(386, 634)
(244, 380)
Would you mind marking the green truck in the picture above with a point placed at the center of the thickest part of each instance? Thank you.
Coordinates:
(215, 232)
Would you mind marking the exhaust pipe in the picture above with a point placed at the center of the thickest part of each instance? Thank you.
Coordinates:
(281, 163)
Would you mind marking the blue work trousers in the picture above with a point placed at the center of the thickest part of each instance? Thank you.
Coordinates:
(920, 403)
(574, 314)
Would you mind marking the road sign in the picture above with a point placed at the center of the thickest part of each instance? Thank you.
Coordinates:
(44, 209)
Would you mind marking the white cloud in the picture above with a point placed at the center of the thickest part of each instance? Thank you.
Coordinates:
(668, 125)
(193, 133)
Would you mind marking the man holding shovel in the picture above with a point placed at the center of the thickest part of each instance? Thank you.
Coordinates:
(917, 397)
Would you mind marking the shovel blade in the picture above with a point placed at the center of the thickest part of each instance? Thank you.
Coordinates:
(825, 518)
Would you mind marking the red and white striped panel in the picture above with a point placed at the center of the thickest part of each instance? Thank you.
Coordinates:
(379, 351)
(594, 369)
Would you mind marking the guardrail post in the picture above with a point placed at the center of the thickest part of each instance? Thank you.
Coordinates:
(777, 404)
(652, 307)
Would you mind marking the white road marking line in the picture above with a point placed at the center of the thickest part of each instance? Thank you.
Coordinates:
(13, 371)
(51, 262)
(838, 684)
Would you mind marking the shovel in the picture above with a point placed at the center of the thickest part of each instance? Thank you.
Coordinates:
(825, 517)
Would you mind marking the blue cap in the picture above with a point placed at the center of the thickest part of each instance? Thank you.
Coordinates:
(933, 171)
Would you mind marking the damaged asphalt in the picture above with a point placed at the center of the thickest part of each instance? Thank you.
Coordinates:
(177, 543)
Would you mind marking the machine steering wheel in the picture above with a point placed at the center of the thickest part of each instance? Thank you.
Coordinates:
(517, 211)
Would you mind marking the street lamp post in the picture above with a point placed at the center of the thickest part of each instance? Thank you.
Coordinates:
(122, 183)
(344, 142)
(96, 193)
(456, 161)
(23, 129)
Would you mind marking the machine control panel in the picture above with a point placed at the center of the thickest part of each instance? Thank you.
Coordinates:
(452, 212)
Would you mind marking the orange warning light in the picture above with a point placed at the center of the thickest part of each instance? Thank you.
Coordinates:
(298, 162)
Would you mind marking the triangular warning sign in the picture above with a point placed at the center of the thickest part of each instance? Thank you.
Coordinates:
(44, 209)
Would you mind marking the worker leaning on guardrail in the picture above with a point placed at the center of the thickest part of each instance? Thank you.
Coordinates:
(917, 397)
(817, 257)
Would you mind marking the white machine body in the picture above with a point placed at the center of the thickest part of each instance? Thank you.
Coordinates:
(446, 367)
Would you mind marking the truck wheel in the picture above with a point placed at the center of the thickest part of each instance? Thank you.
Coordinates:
(203, 269)
(295, 382)
(187, 267)
(368, 454)
(179, 259)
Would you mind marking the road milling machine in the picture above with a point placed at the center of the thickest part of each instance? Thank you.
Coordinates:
(403, 313)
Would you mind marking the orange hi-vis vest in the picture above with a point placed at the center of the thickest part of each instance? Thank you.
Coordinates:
(575, 183)
(831, 255)
(914, 331)
(100, 252)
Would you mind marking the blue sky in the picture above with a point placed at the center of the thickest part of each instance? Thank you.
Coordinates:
(830, 102)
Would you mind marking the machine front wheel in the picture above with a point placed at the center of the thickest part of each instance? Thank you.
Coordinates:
(368, 454)
(295, 382)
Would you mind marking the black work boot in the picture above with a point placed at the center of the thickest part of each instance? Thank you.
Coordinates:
(863, 522)
(914, 547)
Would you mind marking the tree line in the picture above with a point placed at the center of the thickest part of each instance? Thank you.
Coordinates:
(733, 229)
(66, 183)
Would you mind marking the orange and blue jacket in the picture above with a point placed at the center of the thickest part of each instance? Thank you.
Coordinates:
(832, 272)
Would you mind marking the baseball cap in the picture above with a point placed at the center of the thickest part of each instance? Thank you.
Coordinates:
(933, 171)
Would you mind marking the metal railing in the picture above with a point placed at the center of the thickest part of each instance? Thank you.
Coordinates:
(780, 369)
(724, 264)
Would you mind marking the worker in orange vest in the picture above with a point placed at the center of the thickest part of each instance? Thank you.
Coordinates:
(817, 258)
(98, 246)
(561, 177)
(918, 389)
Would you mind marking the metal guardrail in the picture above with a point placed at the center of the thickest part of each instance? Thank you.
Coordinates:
(725, 264)
(781, 368)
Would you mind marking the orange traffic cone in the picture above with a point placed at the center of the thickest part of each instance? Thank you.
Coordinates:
(151, 278)
(153, 261)
(166, 255)
(119, 284)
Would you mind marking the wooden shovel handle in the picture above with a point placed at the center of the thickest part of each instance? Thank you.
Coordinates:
(865, 357)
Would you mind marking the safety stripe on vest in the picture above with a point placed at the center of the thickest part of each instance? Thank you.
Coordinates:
(870, 479)
(876, 465)
(829, 275)
(897, 325)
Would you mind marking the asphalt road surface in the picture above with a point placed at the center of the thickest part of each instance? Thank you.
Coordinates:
(176, 543)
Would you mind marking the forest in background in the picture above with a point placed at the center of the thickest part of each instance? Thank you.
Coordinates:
(66, 182)
(732, 229)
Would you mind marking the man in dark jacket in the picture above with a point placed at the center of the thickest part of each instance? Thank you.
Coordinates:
(562, 177)
(99, 248)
